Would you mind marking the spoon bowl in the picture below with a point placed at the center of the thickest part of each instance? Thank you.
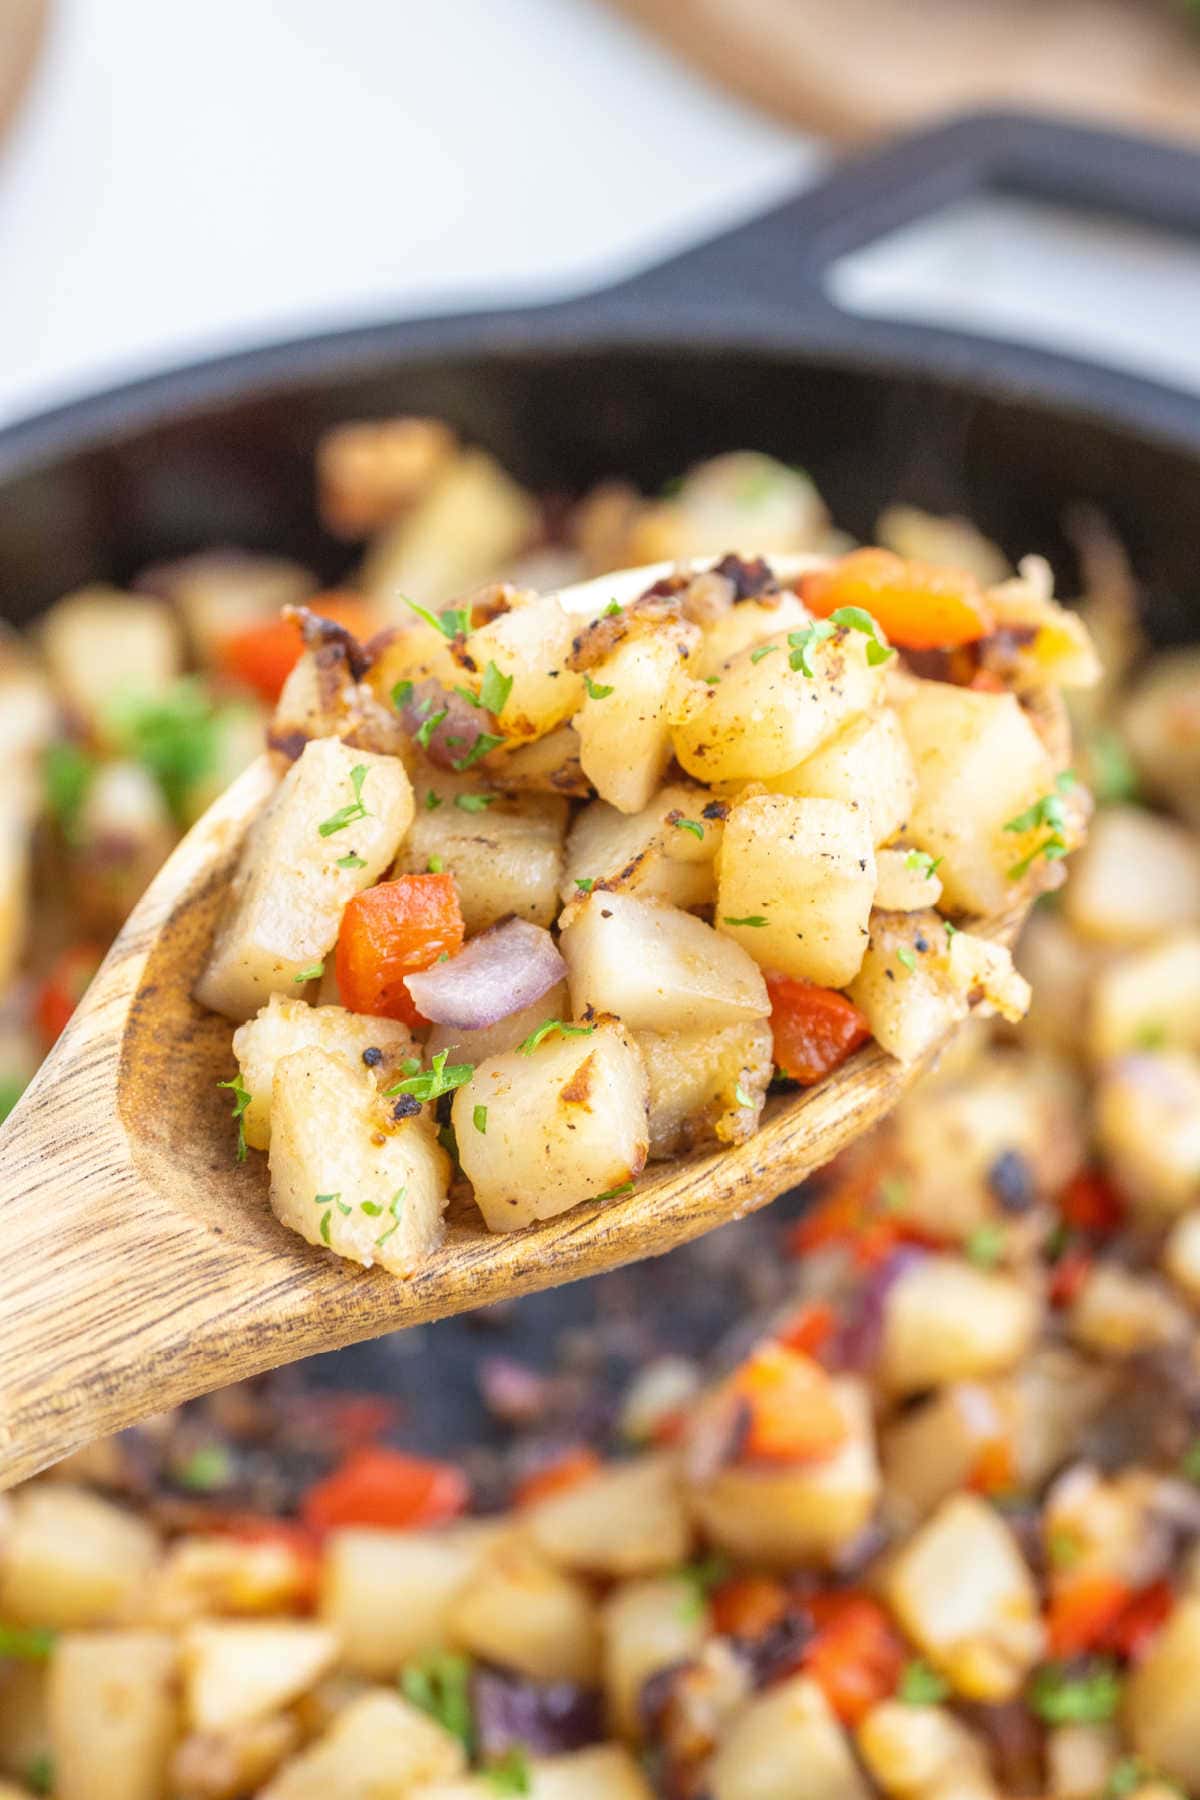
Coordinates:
(142, 1264)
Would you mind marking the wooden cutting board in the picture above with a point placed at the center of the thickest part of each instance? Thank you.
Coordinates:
(21, 25)
(855, 69)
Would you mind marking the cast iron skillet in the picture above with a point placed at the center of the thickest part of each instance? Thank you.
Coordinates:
(733, 343)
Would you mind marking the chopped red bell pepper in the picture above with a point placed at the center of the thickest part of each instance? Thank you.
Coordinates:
(394, 930)
(856, 1656)
(63, 989)
(810, 1329)
(263, 655)
(793, 1411)
(386, 1488)
(565, 1471)
(1068, 1276)
(918, 605)
(748, 1605)
(1090, 1202)
(815, 1028)
(994, 1470)
(1135, 1628)
(1082, 1609)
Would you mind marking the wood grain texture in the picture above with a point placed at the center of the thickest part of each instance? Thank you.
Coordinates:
(857, 69)
(142, 1264)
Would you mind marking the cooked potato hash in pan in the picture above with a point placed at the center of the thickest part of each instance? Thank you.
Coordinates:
(926, 1524)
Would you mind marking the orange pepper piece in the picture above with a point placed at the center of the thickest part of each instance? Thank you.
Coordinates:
(748, 1605)
(566, 1471)
(1082, 1610)
(815, 1028)
(394, 930)
(263, 655)
(386, 1488)
(856, 1656)
(794, 1414)
(917, 605)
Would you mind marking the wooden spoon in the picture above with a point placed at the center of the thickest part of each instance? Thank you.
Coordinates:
(141, 1265)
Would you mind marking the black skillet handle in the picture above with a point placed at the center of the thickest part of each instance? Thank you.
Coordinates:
(782, 258)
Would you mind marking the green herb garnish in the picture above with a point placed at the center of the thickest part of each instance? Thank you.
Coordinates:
(428, 726)
(1050, 813)
(904, 955)
(754, 919)
(853, 618)
(11, 1089)
(174, 734)
(452, 623)
(313, 972)
(206, 1470)
(67, 775)
(432, 801)
(440, 1685)
(495, 689)
(741, 1096)
(479, 1120)
(394, 1205)
(1063, 1549)
(351, 861)
(585, 883)
(985, 1245)
(699, 1580)
(921, 1685)
(348, 815)
(595, 689)
(435, 865)
(530, 1044)
(626, 1187)
(1189, 1464)
(511, 1775)
(241, 1100)
(1058, 1698)
(402, 693)
(756, 656)
(923, 863)
(26, 1643)
(485, 741)
(692, 825)
(802, 642)
(474, 803)
(612, 609)
(39, 1774)
(436, 1081)
(1111, 769)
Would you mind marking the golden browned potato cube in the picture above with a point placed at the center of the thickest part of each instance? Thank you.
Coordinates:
(518, 1610)
(1161, 724)
(647, 1625)
(706, 1086)
(220, 592)
(795, 884)
(227, 1764)
(657, 968)
(628, 1519)
(784, 1743)
(462, 532)
(531, 646)
(602, 1772)
(1120, 1313)
(867, 764)
(206, 1577)
(70, 1558)
(114, 1715)
(799, 1514)
(345, 1173)
(504, 851)
(964, 1595)
(1147, 1117)
(1136, 879)
(1161, 1716)
(946, 1320)
(285, 1026)
(924, 1753)
(665, 852)
(625, 732)
(237, 1671)
(1148, 999)
(286, 900)
(387, 1594)
(101, 644)
(378, 1748)
(746, 624)
(370, 471)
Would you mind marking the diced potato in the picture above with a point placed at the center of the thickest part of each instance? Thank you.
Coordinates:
(495, 1040)
(1137, 878)
(1149, 999)
(531, 644)
(665, 852)
(370, 471)
(945, 1320)
(387, 1595)
(1051, 647)
(866, 765)
(924, 1753)
(220, 592)
(784, 1743)
(28, 713)
(471, 522)
(764, 717)
(979, 764)
(953, 542)
(566, 1121)
(905, 881)
(657, 968)
(202, 1577)
(706, 1086)
(1080, 1759)
(24, 1719)
(113, 1715)
(70, 1558)
(1060, 968)
(1147, 1114)
(930, 1450)
(801, 1513)
(1161, 724)
(625, 734)
(288, 895)
(123, 836)
(602, 1772)
(628, 1519)
(506, 858)
(905, 987)
(1181, 1254)
(964, 1595)
(1119, 1313)
(1161, 1715)
(345, 1173)
(225, 1765)
(236, 1672)
(379, 1748)
(647, 1625)
(547, 765)
(520, 1611)
(101, 644)
(746, 624)
(806, 869)
(285, 1026)
(1058, 1395)
(742, 498)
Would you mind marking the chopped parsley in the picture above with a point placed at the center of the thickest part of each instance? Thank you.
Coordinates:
(626, 1187)
(485, 741)
(372, 1208)
(950, 930)
(802, 642)
(753, 919)
(241, 1100)
(26, 1643)
(1189, 1464)
(394, 1205)
(174, 733)
(67, 774)
(1113, 775)
(511, 1775)
(923, 863)
(692, 825)
(435, 865)
(921, 1685)
(756, 656)
(432, 801)
(436, 1081)
(479, 1120)
(741, 1096)
(351, 861)
(474, 803)
(465, 693)
(39, 1773)
(904, 955)
(712, 681)
(428, 726)
(1048, 813)
(495, 689)
(612, 609)
(1129, 1774)
(985, 1245)
(313, 972)
(402, 693)
(848, 618)
(1059, 1698)
(699, 1580)
(585, 883)
(1063, 1548)
(348, 815)
(453, 622)
(206, 1471)
(440, 1685)
(595, 689)
(855, 619)
(531, 1043)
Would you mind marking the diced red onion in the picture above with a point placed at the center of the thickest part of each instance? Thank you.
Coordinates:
(505, 968)
(449, 742)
